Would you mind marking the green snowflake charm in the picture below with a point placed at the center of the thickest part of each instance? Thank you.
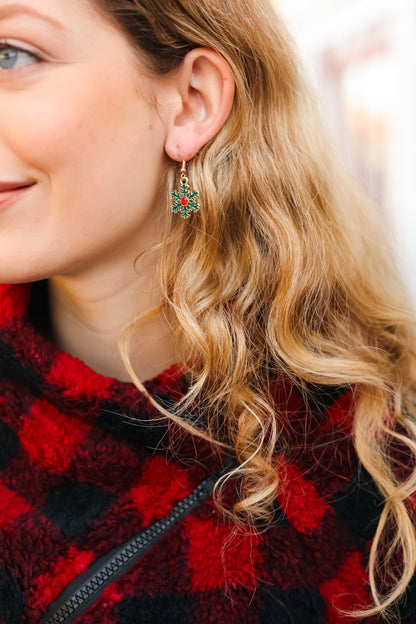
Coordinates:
(185, 200)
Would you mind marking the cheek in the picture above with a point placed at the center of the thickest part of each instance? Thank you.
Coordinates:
(80, 126)
(42, 130)
(95, 146)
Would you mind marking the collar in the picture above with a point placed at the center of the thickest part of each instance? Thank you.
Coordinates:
(28, 357)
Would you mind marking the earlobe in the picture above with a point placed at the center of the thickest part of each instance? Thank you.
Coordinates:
(205, 89)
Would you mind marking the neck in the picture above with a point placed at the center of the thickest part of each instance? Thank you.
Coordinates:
(89, 312)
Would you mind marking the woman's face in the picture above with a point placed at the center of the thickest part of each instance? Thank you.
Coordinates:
(77, 121)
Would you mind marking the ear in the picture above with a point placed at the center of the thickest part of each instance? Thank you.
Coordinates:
(204, 93)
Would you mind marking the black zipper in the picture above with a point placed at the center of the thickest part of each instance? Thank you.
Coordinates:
(88, 587)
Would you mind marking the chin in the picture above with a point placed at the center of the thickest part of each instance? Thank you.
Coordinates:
(16, 273)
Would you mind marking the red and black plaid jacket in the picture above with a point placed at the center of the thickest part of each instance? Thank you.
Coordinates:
(104, 520)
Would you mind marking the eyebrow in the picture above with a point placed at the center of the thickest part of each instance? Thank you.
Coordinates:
(22, 9)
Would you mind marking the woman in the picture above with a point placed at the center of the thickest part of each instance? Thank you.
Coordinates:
(164, 179)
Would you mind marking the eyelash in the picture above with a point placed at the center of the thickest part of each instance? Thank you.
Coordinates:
(5, 45)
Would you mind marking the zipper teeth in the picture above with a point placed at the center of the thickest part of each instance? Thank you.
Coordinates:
(100, 579)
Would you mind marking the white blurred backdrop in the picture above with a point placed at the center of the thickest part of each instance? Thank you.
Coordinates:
(362, 55)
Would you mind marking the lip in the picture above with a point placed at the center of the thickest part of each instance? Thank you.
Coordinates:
(9, 196)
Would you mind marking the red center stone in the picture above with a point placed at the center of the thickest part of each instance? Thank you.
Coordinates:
(184, 201)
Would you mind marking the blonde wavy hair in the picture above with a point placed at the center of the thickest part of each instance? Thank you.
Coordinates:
(284, 273)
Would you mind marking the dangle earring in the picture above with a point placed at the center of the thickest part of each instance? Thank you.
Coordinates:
(185, 200)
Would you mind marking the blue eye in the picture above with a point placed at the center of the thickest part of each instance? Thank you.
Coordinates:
(13, 58)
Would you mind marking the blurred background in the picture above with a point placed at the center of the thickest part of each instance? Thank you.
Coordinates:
(362, 55)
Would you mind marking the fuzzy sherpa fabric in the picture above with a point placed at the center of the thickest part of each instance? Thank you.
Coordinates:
(78, 478)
